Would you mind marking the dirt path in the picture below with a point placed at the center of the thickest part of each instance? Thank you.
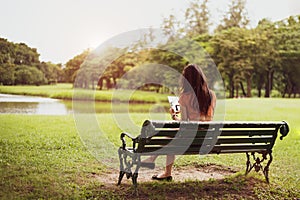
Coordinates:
(186, 184)
(179, 174)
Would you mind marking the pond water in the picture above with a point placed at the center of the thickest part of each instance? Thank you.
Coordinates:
(18, 104)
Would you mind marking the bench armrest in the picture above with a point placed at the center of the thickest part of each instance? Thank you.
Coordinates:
(124, 142)
(284, 130)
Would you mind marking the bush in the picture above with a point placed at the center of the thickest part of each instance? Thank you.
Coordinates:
(25, 75)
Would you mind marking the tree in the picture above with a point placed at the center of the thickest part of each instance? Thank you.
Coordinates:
(227, 54)
(197, 18)
(7, 75)
(287, 44)
(6, 51)
(100, 66)
(19, 64)
(24, 55)
(25, 75)
(53, 72)
(171, 27)
(196, 21)
(267, 57)
(73, 65)
(235, 17)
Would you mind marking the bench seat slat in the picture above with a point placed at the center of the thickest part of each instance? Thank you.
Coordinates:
(195, 150)
(239, 151)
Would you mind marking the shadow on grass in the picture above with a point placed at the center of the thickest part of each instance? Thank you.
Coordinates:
(233, 187)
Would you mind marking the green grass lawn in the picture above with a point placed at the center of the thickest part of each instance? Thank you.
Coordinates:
(285, 168)
(43, 157)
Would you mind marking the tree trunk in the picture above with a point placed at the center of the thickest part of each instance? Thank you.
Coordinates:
(259, 85)
(285, 91)
(93, 87)
(243, 89)
(249, 87)
(271, 80)
(237, 91)
(294, 90)
(108, 83)
(114, 82)
(259, 92)
(100, 83)
(231, 87)
(268, 84)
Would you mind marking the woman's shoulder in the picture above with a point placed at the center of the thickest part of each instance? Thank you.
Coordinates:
(187, 93)
(213, 97)
(185, 96)
(212, 93)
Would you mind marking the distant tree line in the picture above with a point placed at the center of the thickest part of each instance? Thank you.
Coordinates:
(20, 65)
(252, 61)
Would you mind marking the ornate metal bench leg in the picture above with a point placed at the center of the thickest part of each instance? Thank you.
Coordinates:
(266, 169)
(122, 172)
(121, 175)
(134, 181)
(135, 174)
(248, 164)
(257, 165)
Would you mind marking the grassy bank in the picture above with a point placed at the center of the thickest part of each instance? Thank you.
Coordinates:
(66, 92)
(42, 157)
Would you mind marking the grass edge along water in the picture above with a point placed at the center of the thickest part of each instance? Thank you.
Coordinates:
(66, 92)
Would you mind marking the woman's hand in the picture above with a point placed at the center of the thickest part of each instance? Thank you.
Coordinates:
(174, 114)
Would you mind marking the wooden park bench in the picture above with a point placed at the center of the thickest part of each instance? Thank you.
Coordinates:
(191, 138)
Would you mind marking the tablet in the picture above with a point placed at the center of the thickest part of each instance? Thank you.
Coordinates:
(173, 100)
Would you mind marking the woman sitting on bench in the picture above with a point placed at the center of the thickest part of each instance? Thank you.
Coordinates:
(197, 103)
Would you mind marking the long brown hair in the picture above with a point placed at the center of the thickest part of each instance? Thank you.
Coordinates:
(194, 80)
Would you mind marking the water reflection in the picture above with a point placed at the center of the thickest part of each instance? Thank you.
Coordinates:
(18, 104)
(18, 107)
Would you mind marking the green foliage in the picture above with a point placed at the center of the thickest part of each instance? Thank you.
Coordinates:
(7, 75)
(19, 64)
(235, 17)
(53, 73)
(73, 65)
(287, 40)
(17, 54)
(266, 57)
(197, 18)
(25, 75)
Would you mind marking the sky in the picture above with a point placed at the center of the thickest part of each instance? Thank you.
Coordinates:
(62, 29)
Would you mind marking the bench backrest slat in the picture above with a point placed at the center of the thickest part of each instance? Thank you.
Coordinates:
(253, 132)
(173, 137)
